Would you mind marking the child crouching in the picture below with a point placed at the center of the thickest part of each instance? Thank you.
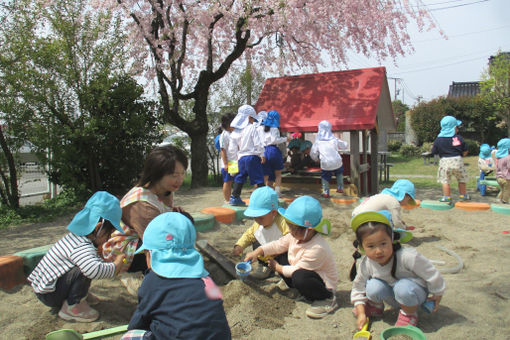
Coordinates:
(177, 298)
(311, 267)
(63, 276)
(400, 276)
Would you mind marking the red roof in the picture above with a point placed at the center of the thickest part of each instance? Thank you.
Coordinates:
(347, 99)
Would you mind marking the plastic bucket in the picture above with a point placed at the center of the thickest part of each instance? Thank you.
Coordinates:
(243, 269)
(411, 331)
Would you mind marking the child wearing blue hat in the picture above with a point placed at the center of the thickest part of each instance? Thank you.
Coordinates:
(247, 142)
(399, 276)
(450, 147)
(325, 149)
(274, 160)
(503, 169)
(392, 199)
(177, 298)
(63, 276)
(268, 226)
(311, 267)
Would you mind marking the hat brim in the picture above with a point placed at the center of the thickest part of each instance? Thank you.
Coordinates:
(369, 216)
(254, 212)
(85, 221)
(405, 236)
(178, 264)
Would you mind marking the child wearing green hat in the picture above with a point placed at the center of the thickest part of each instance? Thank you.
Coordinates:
(63, 276)
(392, 199)
(503, 169)
(311, 267)
(177, 298)
(268, 226)
(450, 147)
(401, 277)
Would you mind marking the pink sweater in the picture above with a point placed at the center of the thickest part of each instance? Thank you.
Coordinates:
(314, 255)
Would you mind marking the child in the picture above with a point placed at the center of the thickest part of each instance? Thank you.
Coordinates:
(400, 194)
(450, 147)
(227, 154)
(268, 226)
(274, 160)
(63, 276)
(311, 268)
(326, 149)
(177, 299)
(250, 152)
(485, 160)
(400, 276)
(307, 161)
(503, 169)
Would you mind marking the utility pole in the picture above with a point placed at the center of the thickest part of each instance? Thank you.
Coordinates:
(395, 87)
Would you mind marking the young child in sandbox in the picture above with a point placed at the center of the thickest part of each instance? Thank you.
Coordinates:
(311, 267)
(177, 298)
(268, 226)
(401, 277)
(63, 276)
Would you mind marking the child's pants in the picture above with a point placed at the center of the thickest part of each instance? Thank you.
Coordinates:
(405, 292)
(326, 176)
(504, 184)
(73, 286)
(309, 284)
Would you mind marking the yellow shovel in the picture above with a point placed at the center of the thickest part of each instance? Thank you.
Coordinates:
(363, 334)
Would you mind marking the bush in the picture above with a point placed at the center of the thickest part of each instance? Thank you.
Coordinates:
(473, 147)
(426, 147)
(409, 150)
(394, 146)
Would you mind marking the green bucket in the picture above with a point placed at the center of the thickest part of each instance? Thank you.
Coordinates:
(413, 332)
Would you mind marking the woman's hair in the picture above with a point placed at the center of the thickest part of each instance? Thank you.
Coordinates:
(161, 162)
(226, 119)
(370, 228)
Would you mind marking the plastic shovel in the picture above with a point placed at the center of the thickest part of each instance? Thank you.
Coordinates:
(71, 334)
(364, 333)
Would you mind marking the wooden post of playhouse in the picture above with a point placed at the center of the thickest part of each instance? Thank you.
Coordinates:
(374, 146)
(364, 174)
(354, 158)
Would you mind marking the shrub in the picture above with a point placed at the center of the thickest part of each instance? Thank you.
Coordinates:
(394, 146)
(426, 147)
(473, 147)
(409, 150)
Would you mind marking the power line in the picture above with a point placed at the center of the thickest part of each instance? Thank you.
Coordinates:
(463, 34)
(454, 6)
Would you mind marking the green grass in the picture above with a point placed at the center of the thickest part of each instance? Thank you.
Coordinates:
(414, 166)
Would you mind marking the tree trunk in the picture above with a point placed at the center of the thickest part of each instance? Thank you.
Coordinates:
(199, 168)
(11, 187)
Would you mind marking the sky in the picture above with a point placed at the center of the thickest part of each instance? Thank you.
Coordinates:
(476, 29)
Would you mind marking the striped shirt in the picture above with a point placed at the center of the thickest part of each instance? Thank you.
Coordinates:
(72, 250)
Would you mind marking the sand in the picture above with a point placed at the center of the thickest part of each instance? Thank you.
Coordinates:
(475, 305)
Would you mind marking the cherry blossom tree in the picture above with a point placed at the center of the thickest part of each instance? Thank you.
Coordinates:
(192, 44)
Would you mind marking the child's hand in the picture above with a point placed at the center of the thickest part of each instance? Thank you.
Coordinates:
(273, 265)
(237, 250)
(361, 319)
(262, 160)
(252, 256)
(119, 262)
(436, 300)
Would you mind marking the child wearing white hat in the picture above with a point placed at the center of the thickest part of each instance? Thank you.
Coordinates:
(63, 276)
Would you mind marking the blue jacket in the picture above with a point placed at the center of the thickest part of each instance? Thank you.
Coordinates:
(178, 309)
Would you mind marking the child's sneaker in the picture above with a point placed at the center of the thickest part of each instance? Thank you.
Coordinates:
(80, 312)
(321, 308)
(340, 191)
(465, 197)
(325, 195)
(236, 201)
(404, 319)
(445, 199)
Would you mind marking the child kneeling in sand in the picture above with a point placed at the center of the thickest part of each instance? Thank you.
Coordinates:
(268, 226)
(392, 199)
(177, 298)
(311, 267)
(63, 276)
(400, 276)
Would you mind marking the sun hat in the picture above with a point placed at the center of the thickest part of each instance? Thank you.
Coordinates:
(400, 188)
(503, 146)
(448, 124)
(485, 151)
(261, 116)
(324, 132)
(262, 201)
(305, 145)
(295, 143)
(240, 121)
(272, 119)
(381, 216)
(101, 205)
(170, 237)
(306, 211)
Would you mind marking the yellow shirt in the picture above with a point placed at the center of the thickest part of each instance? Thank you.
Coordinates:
(248, 237)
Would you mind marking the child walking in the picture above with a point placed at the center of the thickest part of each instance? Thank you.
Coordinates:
(227, 155)
(250, 152)
(503, 169)
(392, 199)
(268, 226)
(401, 277)
(450, 147)
(63, 276)
(311, 267)
(326, 149)
(274, 160)
(177, 298)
